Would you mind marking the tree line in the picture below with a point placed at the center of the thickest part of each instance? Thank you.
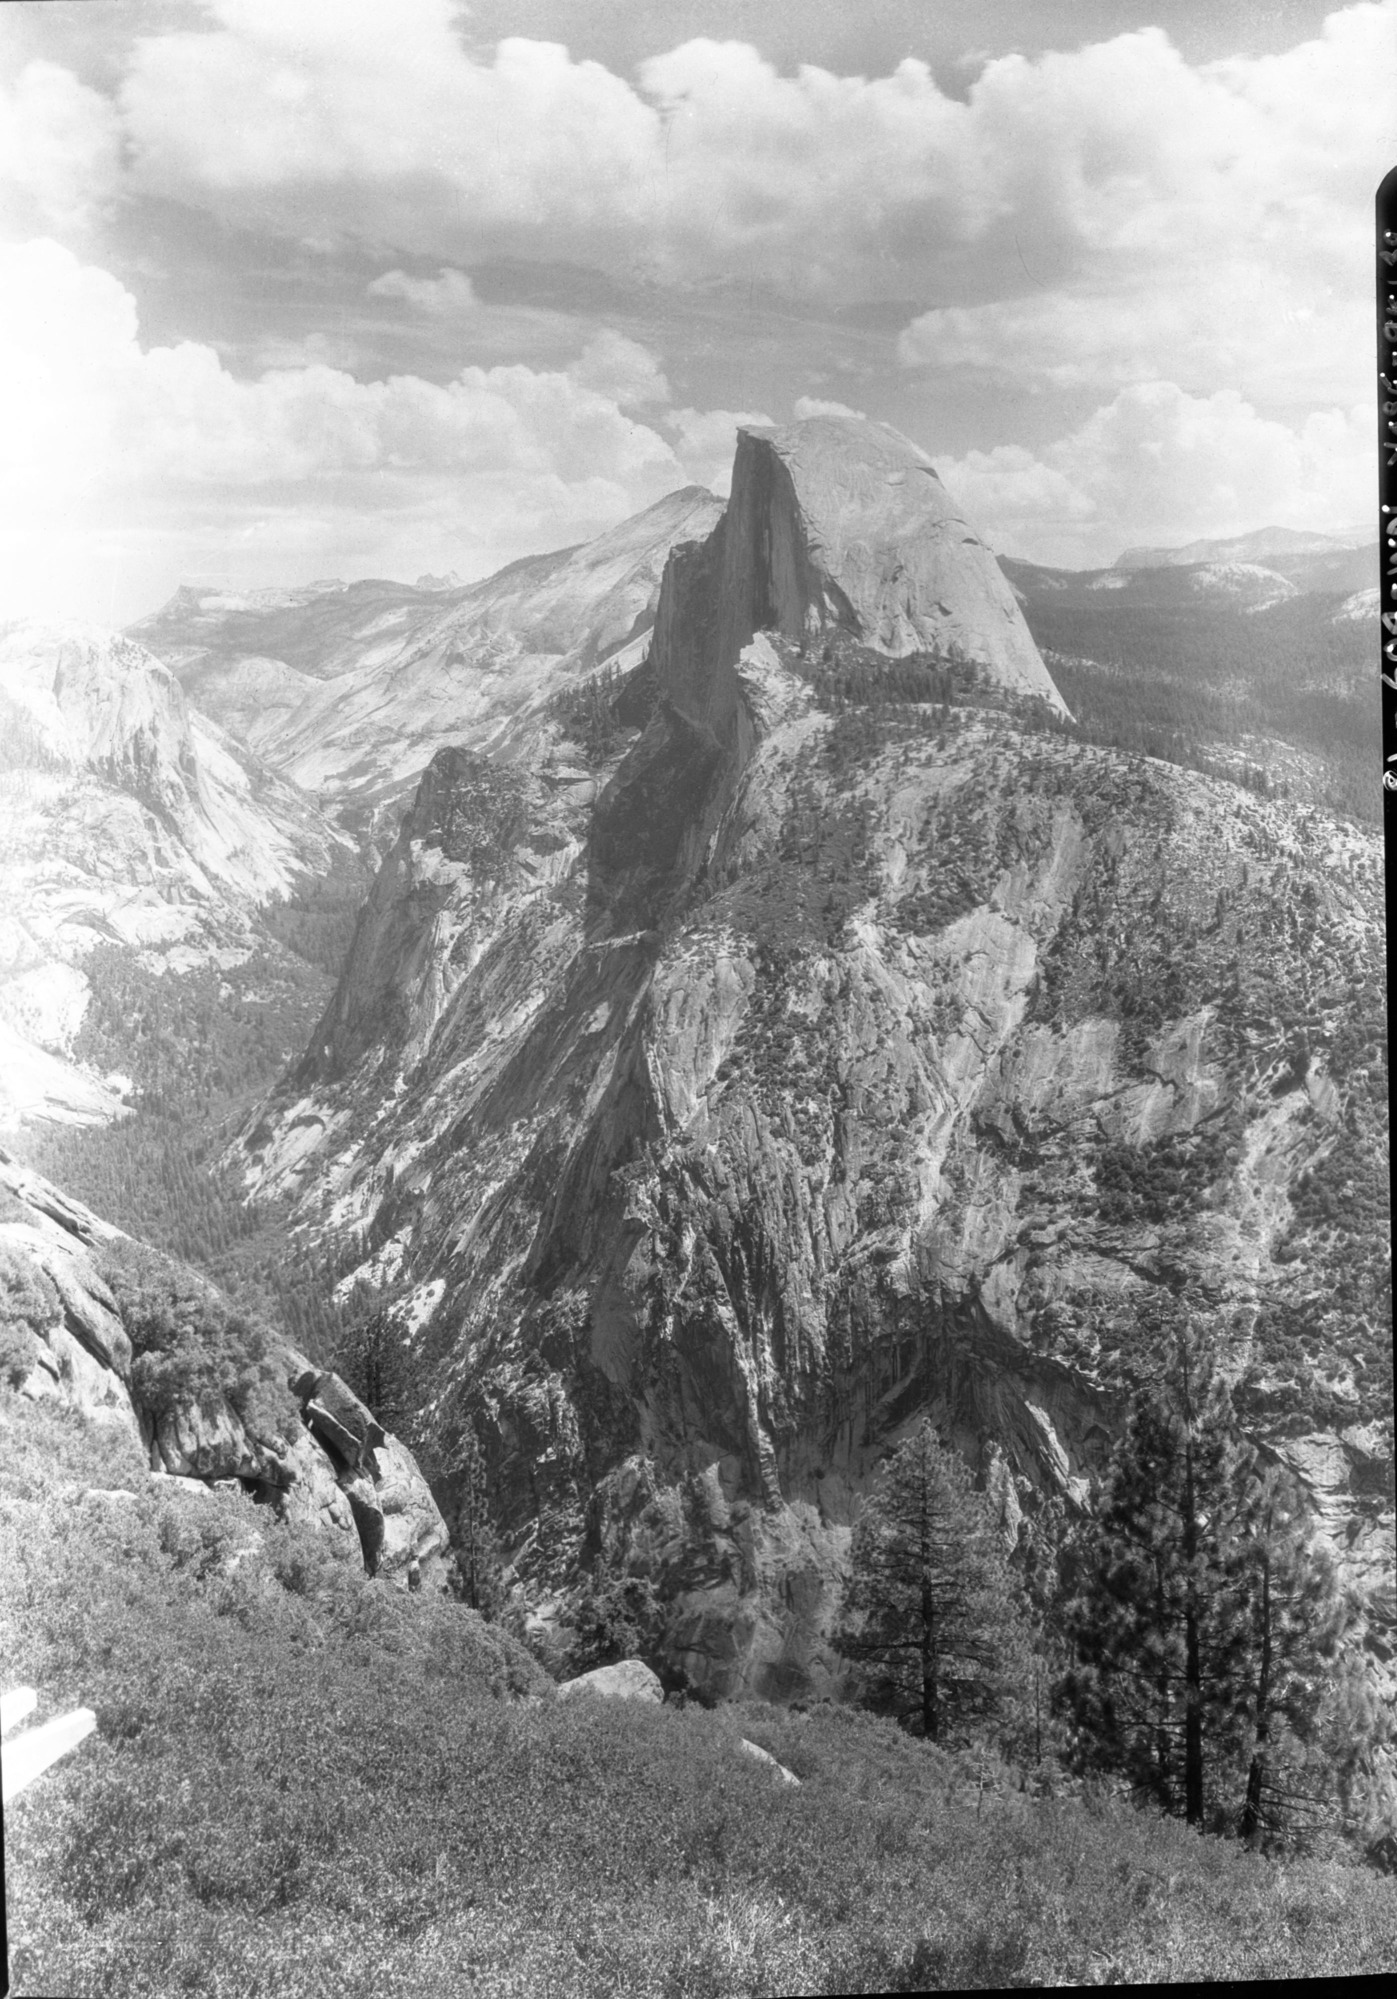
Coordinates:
(1188, 1635)
(1185, 1635)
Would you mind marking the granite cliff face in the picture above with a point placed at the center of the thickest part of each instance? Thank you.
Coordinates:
(836, 526)
(849, 1057)
(125, 818)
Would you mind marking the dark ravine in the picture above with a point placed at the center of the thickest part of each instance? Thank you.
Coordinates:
(824, 1073)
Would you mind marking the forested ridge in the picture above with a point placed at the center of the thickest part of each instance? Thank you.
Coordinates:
(1177, 679)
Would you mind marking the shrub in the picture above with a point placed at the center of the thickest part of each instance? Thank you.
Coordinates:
(18, 1351)
(188, 1344)
(27, 1294)
(616, 1617)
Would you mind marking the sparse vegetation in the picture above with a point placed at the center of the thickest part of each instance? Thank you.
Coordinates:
(188, 1345)
(305, 1784)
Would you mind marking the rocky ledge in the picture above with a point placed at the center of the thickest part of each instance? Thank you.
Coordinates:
(309, 1448)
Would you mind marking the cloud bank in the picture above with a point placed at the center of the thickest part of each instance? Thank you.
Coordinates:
(105, 434)
(1155, 455)
(1151, 275)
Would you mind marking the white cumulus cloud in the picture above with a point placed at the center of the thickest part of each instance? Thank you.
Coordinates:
(620, 368)
(383, 122)
(805, 406)
(450, 294)
(1156, 456)
(706, 440)
(1207, 224)
(59, 152)
(101, 433)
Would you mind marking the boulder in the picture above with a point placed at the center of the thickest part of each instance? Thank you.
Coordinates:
(368, 1518)
(207, 1444)
(90, 1314)
(760, 1755)
(339, 1421)
(84, 1383)
(628, 1680)
(80, 1302)
(175, 1483)
(341, 1473)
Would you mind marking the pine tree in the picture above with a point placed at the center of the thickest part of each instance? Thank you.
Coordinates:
(932, 1609)
(1208, 1621)
(1288, 1598)
(1150, 1624)
(1042, 1551)
(475, 1542)
(371, 1357)
(1308, 1723)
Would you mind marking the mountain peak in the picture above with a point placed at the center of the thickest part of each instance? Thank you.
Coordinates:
(1261, 545)
(99, 699)
(837, 523)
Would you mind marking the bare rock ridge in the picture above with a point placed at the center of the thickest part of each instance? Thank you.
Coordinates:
(126, 819)
(836, 524)
(834, 1067)
(349, 690)
(335, 1469)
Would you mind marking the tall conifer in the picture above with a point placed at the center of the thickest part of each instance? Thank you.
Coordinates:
(932, 1608)
(476, 1545)
(1208, 1620)
(1152, 1621)
(1286, 1664)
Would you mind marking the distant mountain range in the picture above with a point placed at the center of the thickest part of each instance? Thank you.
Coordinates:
(1313, 561)
(349, 689)
(1269, 664)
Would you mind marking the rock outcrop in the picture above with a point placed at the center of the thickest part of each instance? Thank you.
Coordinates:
(627, 1680)
(865, 1059)
(334, 1469)
(756, 1754)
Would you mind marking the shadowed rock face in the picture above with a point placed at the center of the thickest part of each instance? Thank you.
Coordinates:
(854, 1066)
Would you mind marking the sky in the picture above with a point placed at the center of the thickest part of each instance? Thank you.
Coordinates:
(292, 289)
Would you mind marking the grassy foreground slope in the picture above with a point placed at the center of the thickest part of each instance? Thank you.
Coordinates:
(305, 1784)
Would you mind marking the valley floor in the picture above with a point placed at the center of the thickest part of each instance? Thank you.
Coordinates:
(307, 1784)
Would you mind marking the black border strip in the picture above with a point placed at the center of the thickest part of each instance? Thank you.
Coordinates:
(1386, 245)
